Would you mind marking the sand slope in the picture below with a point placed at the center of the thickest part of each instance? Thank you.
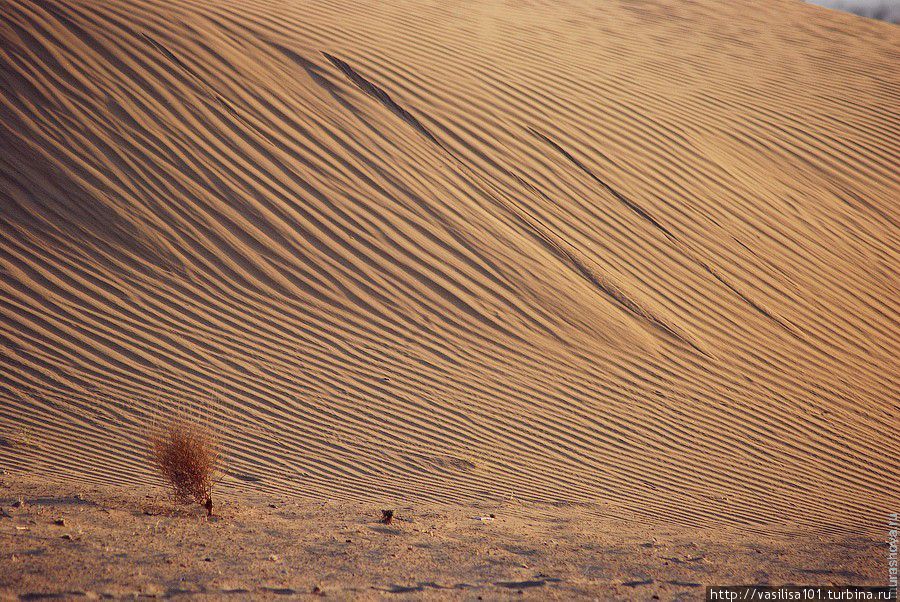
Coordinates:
(635, 257)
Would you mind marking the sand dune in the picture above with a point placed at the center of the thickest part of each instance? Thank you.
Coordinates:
(637, 258)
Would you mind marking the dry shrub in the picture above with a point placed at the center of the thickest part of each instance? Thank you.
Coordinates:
(21, 438)
(186, 454)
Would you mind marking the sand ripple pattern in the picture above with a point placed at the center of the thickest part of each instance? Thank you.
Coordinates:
(640, 257)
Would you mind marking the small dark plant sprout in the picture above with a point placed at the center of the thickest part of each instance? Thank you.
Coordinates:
(186, 454)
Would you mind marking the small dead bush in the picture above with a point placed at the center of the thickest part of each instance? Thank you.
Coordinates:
(186, 454)
(21, 438)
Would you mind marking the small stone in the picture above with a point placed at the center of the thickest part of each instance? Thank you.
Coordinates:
(68, 536)
(273, 557)
(207, 559)
(19, 503)
(60, 522)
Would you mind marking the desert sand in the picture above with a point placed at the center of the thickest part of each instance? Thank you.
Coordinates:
(624, 274)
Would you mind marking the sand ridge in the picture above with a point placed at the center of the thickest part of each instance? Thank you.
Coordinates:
(639, 258)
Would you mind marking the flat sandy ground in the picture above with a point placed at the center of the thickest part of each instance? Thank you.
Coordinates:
(112, 542)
